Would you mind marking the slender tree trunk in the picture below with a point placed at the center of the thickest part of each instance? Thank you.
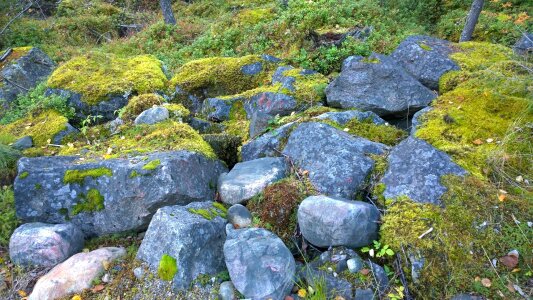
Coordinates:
(168, 15)
(471, 20)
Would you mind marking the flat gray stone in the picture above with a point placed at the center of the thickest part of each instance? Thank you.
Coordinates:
(152, 116)
(248, 179)
(266, 145)
(23, 143)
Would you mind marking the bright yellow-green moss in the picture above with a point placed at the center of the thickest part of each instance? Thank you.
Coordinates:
(473, 56)
(307, 115)
(96, 75)
(332, 30)
(138, 104)
(167, 267)
(78, 176)
(15, 54)
(386, 134)
(309, 88)
(238, 124)
(217, 210)
(425, 47)
(177, 111)
(163, 136)
(92, 202)
(23, 175)
(220, 75)
(134, 174)
(253, 16)
(152, 165)
(41, 126)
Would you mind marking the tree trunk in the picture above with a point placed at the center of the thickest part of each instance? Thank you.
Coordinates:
(168, 15)
(471, 20)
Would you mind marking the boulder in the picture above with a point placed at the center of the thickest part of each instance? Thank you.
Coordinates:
(252, 69)
(239, 216)
(262, 107)
(378, 84)
(152, 116)
(70, 130)
(75, 274)
(23, 143)
(205, 127)
(343, 117)
(337, 162)
(22, 70)
(524, 46)
(114, 195)
(249, 178)
(326, 221)
(415, 170)
(193, 236)
(416, 119)
(44, 245)
(425, 58)
(266, 145)
(259, 264)
(216, 109)
(226, 291)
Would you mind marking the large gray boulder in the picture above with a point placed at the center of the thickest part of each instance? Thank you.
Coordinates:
(259, 264)
(192, 235)
(249, 178)
(343, 117)
(262, 107)
(114, 195)
(425, 58)
(218, 110)
(378, 84)
(44, 245)
(337, 162)
(152, 115)
(268, 144)
(21, 71)
(326, 221)
(415, 170)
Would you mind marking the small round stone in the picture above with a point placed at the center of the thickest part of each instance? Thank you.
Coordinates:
(226, 291)
(239, 216)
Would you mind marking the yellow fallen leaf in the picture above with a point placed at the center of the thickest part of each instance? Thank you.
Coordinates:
(302, 293)
(502, 197)
(76, 297)
(478, 142)
(22, 293)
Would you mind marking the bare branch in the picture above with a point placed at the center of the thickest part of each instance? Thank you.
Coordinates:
(16, 17)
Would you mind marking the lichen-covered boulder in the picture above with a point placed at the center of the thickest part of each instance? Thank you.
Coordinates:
(262, 107)
(95, 90)
(415, 170)
(113, 195)
(22, 70)
(183, 242)
(326, 221)
(337, 162)
(152, 115)
(216, 109)
(75, 274)
(524, 46)
(259, 264)
(343, 117)
(44, 245)
(249, 178)
(268, 144)
(378, 84)
(425, 58)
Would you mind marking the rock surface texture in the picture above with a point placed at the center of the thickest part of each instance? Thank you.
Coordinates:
(75, 274)
(326, 222)
(193, 240)
(114, 195)
(425, 58)
(377, 84)
(343, 117)
(268, 144)
(247, 179)
(415, 170)
(259, 264)
(152, 116)
(336, 161)
(44, 245)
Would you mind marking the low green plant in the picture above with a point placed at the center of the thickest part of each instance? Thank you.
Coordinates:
(8, 218)
(378, 250)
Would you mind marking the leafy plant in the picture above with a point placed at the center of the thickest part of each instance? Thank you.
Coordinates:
(397, 293)
(378, 250)
(87, 122)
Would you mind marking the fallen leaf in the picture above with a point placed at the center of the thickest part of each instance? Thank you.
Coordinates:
(502, 197)
(22, 293)
(486, 282)
(76, 297)
(98, 288)
(364, 271)
(478, 142)
(519, 178)
(510, 261)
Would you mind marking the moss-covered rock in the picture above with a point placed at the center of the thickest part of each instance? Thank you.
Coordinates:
(78, 176)
(138, 104)
(8, 164)
(167, 267)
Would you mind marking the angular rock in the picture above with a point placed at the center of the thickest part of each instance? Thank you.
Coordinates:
(252, 69)
(416, 119)
(354, 264)
(205, 127)
(248, 179)
(343, 117)
(22, 73)
(285, 81)
(415, 170)
(115, 195)
(23, 143)
(58, 138)
(239, 216)
(259, 264)
(152, 116)
(381, 281)
(326, 222)
(266, 145)
(377, 84)
(75, 274)
(336, 161)
(524, 46)
(366, 294)
(44, 245)
(217, 110)
(192, 235)
(426, 58)
(262, 107)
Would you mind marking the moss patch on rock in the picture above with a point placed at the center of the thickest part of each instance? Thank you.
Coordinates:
(42, 126)
(217, 210)
(92, 202)
(16, 53)
(310, 88)
(97, 75)
(386, 134)
(78, 176)
(152, 165)
(138, 104)
(167, 267)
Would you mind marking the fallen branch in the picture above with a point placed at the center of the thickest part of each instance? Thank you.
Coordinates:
(16, 17)
(6, 54)
(425, 233)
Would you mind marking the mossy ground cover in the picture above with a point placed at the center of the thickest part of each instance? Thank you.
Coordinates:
(138, 104)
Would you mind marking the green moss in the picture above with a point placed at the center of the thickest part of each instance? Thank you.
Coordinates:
(38, 186)
(177, 112)
(253, 16)
(152, 165)
(96, 75)
(138, 104)
(8, 217)
(92, 202)
(386, 134)
(310, 89)
(238, 124)
(41, 126)
(78, 176)
(167, 267)
(16, 53)
(425, 47)
(134, 174)
(473, 56)
(218, 210)
(220, 76)
(23, 175)
(371, 60)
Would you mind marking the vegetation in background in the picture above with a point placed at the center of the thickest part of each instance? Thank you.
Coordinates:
(8, 218)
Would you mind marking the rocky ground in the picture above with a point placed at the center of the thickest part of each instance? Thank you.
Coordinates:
(251, 178)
